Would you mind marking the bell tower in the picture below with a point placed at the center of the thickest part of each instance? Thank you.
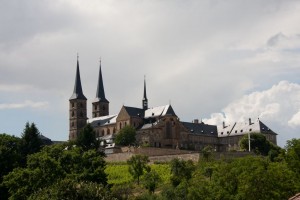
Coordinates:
(100, 104)
(77, 108)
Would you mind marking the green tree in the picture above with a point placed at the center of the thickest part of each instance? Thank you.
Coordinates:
(52, 164)
(137, 165)
(30, 140)
(260, 145)
(293, 155)
(10, 158)
(207, 153)
(181, 170)
(126, 136)
(70, 189)
(151, 180)
(87, 138)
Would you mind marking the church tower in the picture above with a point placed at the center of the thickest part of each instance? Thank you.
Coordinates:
(100, 104)
(77, 108)
(145, 100)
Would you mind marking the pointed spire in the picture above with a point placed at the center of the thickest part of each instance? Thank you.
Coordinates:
(77, 93)
(100, 94)
(145, 100)
(145, 93)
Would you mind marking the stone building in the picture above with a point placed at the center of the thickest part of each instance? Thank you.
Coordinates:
(156, 127)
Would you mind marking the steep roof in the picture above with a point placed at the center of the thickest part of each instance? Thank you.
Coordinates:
(134, 112)
(242, 128)
(77, 93)
(100, 94)
(159, 111)
(201, 128)
(103, 120)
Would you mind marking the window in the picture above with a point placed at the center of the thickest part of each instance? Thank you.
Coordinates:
(241, 130)
(73, 113)
(125, 123)
(73, 105)
(221, 133)
(250, 129)
(103, 108)
(102, 132)
(95, 107)
(114, 130)
(72, 124)
(81, 105)
(108, 131)
(168, 130)
(235, 131)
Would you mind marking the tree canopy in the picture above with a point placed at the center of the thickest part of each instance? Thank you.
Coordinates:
(87, 138)
(30, 140)
(137, 165)
(52, 164)
(260, 145)
(126, 136)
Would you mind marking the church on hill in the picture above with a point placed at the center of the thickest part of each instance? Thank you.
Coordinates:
(156, 126)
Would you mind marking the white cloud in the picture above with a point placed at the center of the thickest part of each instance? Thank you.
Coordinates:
(278, 107)
(25, 104)
(280, 103)
(295, 120)
(14, 88)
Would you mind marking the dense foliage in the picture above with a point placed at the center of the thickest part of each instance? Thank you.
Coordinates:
(87, 138)
(68, 171)
(260, 145)
(53, 164)
(126, 136)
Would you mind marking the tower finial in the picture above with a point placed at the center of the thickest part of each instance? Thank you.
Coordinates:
(77, 56)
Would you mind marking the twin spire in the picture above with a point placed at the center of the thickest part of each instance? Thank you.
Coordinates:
(77, 93)
(100, 94)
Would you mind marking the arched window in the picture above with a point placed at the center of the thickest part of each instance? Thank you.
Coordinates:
(73, 105)
(102, 133)
(114, 130)
(108, 131)
(120, 125)
(73, 113)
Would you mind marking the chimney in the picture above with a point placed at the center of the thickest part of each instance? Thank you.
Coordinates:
(224, 125)
(196, 121)
(250, 123)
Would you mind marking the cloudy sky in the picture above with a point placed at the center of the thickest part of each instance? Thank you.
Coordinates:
(214, 60)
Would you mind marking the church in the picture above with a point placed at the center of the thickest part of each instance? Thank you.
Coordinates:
(155, 127)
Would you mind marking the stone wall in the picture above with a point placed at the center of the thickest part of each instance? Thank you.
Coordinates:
(166, 155)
